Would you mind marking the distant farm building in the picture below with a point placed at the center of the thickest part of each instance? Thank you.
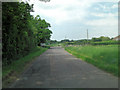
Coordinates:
(117, 38)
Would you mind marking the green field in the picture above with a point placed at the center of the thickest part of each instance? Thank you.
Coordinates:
(18, 66)
(104, 57)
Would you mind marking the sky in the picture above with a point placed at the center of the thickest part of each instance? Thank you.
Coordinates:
(70, 19)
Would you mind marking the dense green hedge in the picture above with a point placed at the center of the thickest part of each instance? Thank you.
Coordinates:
(110, 42)
(21, 31)
(104, 42)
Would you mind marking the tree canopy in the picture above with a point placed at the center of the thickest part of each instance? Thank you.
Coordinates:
(21, 31)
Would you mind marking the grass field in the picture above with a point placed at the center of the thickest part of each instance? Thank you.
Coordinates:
(104, 57)
(18, 66)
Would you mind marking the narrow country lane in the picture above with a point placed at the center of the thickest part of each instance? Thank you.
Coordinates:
(56, 68)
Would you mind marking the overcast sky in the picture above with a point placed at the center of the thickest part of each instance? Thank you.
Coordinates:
(72, 18)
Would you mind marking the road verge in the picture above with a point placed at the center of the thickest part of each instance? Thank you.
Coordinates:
(12, 72)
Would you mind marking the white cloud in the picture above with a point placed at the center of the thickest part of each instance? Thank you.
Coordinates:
(106, 0)
(104, 7)
(97, 8)
(110, 21)
(60, 12)
(63, 10)
(98, 15)
(115, 6)
(105, 14)
(58, 9)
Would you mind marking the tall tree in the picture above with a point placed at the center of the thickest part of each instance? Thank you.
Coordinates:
(21, 31)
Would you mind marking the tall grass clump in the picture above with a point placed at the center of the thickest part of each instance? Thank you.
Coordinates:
(104, 57)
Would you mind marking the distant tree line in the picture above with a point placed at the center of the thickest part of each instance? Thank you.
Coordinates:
(94, 41)
(102, 38)
(21, 31)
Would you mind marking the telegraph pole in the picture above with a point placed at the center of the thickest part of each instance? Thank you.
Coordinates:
(87, 36)
(65, 36)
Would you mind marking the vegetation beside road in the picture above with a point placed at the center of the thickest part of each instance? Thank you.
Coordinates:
(104, 57)
(22, 35)
(102, 40)
(12, 71)
(20, 38)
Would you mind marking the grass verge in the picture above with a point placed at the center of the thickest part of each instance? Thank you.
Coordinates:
(103, 57)
(11, 72)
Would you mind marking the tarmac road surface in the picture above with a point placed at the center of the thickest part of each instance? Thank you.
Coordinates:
(56, 68)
